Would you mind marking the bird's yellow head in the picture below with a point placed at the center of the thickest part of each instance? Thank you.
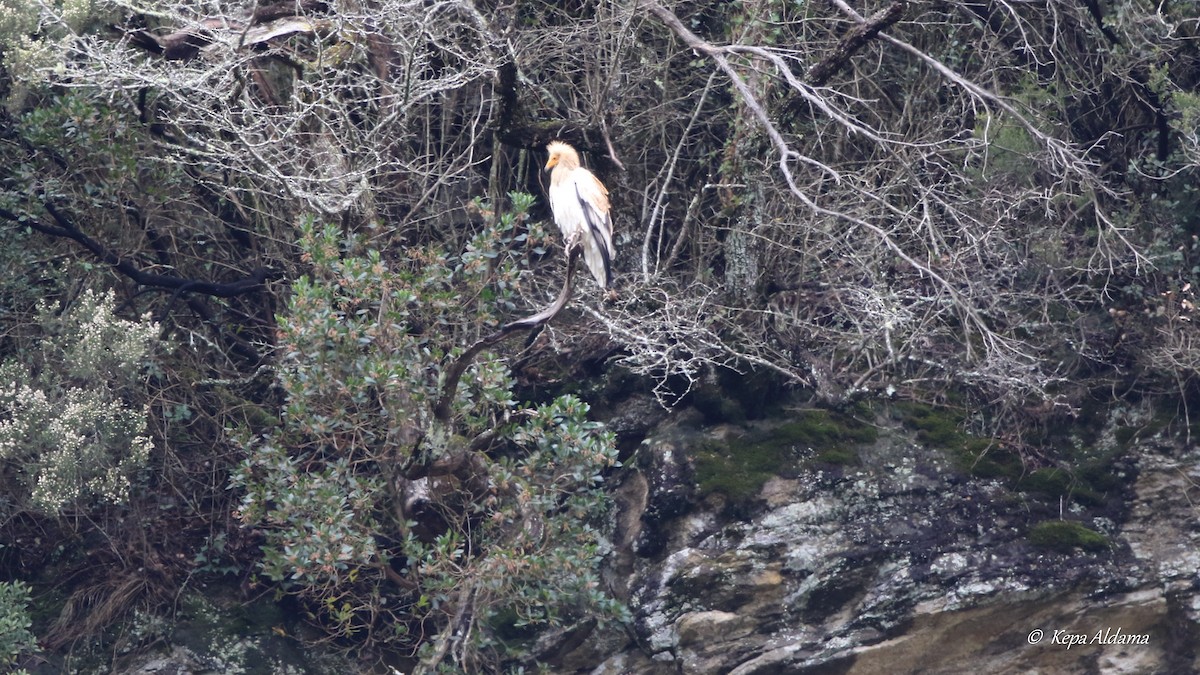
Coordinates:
(562, 155)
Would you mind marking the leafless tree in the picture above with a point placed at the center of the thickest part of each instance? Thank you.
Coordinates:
(837, 195)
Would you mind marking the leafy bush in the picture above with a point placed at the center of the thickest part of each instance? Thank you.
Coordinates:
(390, 522)
(14, 622)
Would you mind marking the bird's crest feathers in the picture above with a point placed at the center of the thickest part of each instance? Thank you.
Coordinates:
(562, 155)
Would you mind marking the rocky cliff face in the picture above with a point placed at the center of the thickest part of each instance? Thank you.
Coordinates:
(817, 543)
(878, 553)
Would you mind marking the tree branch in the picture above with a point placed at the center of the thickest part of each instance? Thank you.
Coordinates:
(65, 228)
(820, 73)
(441, 411)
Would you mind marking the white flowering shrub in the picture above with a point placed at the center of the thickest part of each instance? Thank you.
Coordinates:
(18, 19)
(69, 416)
(34, 35)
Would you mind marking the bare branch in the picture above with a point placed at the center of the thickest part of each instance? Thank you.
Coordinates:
(441, 410)
(820, 73)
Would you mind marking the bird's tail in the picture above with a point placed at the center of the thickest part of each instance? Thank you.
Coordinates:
(599, 262)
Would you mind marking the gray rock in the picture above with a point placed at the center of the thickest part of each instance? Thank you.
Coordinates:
(902, 565)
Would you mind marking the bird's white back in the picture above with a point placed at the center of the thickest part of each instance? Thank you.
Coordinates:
(580, 205)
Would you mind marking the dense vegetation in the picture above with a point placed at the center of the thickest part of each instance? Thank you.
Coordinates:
(247, 241)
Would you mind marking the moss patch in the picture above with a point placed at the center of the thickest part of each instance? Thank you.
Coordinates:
(942, 428)
(837, 456)
(1050, 482)
(738, 468)
(818, 428)
(1082, 474)
(1064, 536)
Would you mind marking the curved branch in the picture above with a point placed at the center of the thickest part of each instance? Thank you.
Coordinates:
(441, 411)
(65, 228)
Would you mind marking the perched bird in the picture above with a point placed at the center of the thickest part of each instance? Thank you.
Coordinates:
(580, 205)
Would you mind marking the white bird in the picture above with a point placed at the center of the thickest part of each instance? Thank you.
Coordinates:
(580, 205)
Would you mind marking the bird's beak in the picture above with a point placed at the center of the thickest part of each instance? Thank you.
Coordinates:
(550, 164)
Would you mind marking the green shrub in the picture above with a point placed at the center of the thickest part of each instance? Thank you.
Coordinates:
(15, 637)
(514, 512)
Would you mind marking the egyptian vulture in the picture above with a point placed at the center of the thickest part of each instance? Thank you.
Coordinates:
(580, 205)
